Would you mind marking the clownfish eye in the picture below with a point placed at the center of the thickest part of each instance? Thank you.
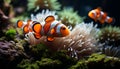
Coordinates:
(63, 28)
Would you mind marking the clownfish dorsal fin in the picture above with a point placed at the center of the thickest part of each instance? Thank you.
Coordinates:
(99, 8)
(105, 13)
(20, 24)
(49, 19)
(28, 22)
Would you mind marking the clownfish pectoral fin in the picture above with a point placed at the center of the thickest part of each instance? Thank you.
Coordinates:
(28, 22)
(50, 38)
(52, 31)
(20, 24)
(102, 21)
(37, 36)
(49, 19)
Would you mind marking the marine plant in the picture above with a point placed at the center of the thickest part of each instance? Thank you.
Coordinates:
(110, 35)
(69, 17)
(97, 60)
(45, 63)
(44, 4)
(10, 34)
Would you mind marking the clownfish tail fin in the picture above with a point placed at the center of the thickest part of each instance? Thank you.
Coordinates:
(20, 23)
(111, 20)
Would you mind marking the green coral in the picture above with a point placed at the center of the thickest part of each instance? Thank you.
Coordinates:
(110, 35)
(10, 33)
(44, 4)
(69, 17)
(98, 60)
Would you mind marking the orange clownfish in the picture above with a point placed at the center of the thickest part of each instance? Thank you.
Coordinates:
(52, 28)
(100, 16)
(26, 27)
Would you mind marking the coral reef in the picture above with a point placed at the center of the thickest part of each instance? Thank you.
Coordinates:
(69, 17)
(44, 4)
(55, 60)
(87, 47)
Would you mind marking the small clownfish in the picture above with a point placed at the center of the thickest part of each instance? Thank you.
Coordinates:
(52, 28)
(26, 27)
(100, 16)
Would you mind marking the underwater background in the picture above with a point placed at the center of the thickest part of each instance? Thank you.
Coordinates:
(90, 44)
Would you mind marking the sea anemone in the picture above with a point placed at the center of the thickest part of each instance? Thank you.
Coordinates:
(110, 35)
(69, 17)
(112, 51)
(40, 17)
(44, 4)
(81, 42)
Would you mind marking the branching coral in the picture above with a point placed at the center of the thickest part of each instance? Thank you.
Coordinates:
(69, 17)
(44, 4)
(110, 35)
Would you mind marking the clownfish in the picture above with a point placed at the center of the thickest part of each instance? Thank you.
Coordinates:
(52, 28)
(98, 15)
(26, 27)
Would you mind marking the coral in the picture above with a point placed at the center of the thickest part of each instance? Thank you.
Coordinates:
(98, 60)
(44, 4)
(38, 51)
(110, 35)
(45, 63)
(10, 34)
(69, 17)
(10, 54)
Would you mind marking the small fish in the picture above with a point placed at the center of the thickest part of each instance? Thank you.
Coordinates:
(98, 15)
(52, 28)
(26, 27)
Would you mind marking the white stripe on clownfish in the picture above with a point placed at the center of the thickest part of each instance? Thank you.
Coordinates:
(101, 14)
(58, 29)
(52, 26)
